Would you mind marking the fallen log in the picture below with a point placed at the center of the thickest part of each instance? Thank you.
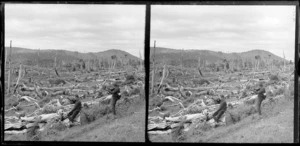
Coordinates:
(27, 98)
(188, 118)
(160, 132)
(13, 132)
(13, 126)
(206, 92)
(173, 99)
(159, 126)
(44, 117)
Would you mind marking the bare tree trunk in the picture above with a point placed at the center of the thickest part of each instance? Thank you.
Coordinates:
(20, 73)
(6, 54)
(163, 77)
(153, 71)
(55, 60)
(9, 67)
(199, 63)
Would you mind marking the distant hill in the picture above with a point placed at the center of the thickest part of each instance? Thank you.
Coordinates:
(192, 56)
(25, 54)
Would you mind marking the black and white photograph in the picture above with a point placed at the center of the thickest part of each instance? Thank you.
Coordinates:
(74, 72)
(222, 73)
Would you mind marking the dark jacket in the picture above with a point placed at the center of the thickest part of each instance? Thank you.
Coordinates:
(260, 92)
(223, 105)
(77, 105)
(115, 91)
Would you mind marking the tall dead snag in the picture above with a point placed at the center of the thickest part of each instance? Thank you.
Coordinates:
(55, 65)
(20, 73)
(270, 62)
(55, 60)
(9, 68)
(199, 62)
(153, 71)
(6, 54)
(162, 78)
(56, 72)
(199, 70)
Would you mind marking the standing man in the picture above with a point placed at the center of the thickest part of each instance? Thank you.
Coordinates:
(222, 109)
(115, 96)
(260, 97)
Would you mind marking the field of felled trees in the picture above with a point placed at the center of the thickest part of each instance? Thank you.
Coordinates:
(184, 93)
(39, 92)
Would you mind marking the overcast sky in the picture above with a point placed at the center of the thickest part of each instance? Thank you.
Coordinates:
(83, 28)
(225, 28)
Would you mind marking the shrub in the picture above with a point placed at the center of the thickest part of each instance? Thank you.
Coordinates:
(204, 126)
(269, 94)
(134, 91)
(195, 109)
(249, 102)
(12, 101)
(125, 94)
(188, 101)
(279, 91)
(44, 101)
(59, 126)
(49, 109)
(274, 78)
(19, 108)
(244, 94)
(241, 112)
(104, 102)
(32, 133)
(155, 101)
(86, 118)
(93, 113)
(177, 133)
(129, 79)
(289, 92)
(163, 108)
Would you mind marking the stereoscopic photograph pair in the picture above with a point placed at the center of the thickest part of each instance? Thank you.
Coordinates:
(149, 72)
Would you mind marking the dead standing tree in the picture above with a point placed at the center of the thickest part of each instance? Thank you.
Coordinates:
(55, 69)
(257, 58)
(270, 62)
(199, 67)
(9, 68)
(153, 69)
(114, 59)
